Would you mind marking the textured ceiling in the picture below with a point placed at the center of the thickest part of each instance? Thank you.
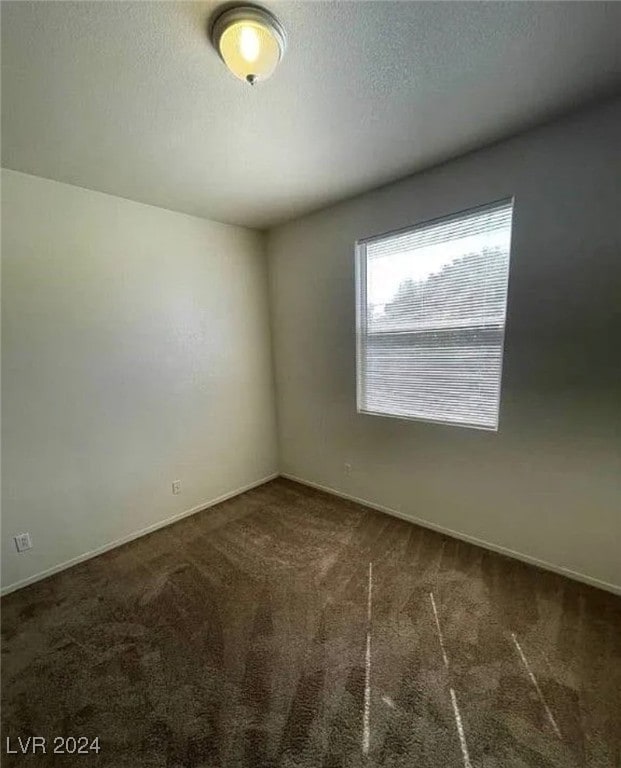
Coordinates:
(129, 97)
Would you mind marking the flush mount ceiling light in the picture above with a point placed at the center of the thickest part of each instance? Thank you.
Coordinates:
(250, 40)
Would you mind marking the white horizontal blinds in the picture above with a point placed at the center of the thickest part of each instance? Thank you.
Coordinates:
(431, 315)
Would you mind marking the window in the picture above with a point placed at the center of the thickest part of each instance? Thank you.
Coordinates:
(431, 304)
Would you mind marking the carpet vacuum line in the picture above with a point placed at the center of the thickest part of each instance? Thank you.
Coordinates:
(533, 680)
(366, 716)
(460, 727)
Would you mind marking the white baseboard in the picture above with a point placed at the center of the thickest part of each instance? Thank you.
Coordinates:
(590, 580)
(615, 589)
(131, 536)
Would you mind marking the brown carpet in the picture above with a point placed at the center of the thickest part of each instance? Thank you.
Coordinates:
(246, 636)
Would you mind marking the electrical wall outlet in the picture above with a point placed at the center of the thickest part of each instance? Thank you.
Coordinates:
(176, 487)
(347, 467)
(22, 542)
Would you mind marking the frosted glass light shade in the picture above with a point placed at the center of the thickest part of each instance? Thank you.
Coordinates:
(250, 41)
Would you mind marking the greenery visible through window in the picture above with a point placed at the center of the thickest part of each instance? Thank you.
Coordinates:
(431, 305)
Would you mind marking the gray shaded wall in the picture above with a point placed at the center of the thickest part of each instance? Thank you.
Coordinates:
(135, 352)
(547, 486)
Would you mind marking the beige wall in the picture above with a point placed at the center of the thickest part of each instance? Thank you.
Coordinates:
(548, 484)
(136, 351)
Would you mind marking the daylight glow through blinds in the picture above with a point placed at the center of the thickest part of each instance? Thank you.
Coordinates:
(431, 305)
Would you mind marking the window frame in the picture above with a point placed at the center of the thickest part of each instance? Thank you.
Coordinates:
(362, 308)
